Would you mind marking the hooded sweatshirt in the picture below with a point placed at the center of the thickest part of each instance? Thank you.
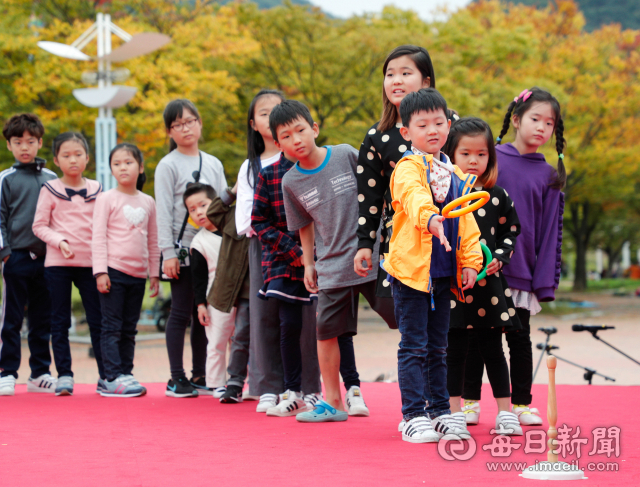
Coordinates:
(535, 265)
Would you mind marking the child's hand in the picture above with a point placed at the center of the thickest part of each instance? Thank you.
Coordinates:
(154, 286)
(311, 278)
(104, 283)
(67, 253)
(299, 262)
(362, 255)
(468, 278)
(203, 315)
(494, 267)
(171, 268)
(234, 190)
(436, 228)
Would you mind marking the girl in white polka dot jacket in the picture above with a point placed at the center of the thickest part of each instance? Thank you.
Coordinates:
(488, 309)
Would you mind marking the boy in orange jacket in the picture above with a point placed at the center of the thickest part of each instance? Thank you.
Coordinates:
(423, 267)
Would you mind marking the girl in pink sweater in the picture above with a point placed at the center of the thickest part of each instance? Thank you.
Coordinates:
(63, 221)
(125, 252)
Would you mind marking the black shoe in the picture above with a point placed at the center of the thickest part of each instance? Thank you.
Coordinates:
(180, 388)
(200, 385)
(232, 395)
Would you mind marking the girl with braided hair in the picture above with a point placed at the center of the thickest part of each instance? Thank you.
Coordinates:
(534, 272)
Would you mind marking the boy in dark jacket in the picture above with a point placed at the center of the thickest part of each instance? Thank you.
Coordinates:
(22, 255)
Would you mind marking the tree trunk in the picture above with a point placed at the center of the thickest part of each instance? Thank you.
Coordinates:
(582, 222)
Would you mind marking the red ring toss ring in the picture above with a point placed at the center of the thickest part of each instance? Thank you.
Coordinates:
(481, 196)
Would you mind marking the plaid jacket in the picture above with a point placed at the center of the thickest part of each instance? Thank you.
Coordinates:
(280, 247)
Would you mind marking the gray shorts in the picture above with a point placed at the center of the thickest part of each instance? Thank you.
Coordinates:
(337, 313)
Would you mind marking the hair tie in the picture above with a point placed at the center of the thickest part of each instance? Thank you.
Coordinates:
(524, 96)
(498, 139)
(561, 156)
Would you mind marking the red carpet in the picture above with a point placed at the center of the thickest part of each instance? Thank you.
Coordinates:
(86, 440)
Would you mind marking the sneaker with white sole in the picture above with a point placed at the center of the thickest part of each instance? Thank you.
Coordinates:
(64, 386)
(246, 396)
(266, 401)
(7, 385)
(461, 422)
(507, 424)
(200, 384)
(123, 386)
(132, 380)
(45, 383)
(355, 402)
(419, 430)
(312, 399)
(471, 410)
(291, 403)
(401, 425)
(527, 416)
(449, 428)
(218, 392)
(100, 386)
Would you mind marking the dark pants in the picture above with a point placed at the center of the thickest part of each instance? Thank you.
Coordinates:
(521, 364)
(60, 280)
(348, 369)
(422, 364)
(120, 314)
(290, 330)
(183, 312)
(24, 284)
(239, 354)
(489, 342)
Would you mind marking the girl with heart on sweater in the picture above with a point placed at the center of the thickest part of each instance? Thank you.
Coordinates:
(125, 252)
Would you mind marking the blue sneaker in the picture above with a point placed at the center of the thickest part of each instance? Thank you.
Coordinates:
(64, 386)
(323, 413)
(122, 386)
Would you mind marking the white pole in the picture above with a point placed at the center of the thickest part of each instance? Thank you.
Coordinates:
(626, 256)
(599, 261)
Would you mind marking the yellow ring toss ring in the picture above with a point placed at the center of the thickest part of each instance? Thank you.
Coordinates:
(481, 196)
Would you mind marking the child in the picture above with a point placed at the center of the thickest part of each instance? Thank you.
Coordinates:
(321, 201)
(185, 163)
(283, 279)
(125, 251)
(489, 308)
(205, 249)
(63, 221)
(23, 255)
(423, 268)
(230, 290)
(534, 272)
(265, 365)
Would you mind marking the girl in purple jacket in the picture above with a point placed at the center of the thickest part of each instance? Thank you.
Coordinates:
(534, 272)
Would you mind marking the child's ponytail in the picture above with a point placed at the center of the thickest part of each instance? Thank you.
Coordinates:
(519, 106)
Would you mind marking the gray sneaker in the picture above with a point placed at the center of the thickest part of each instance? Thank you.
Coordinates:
(64, 386)
(133, 381)
(101, 386)
(122, 386)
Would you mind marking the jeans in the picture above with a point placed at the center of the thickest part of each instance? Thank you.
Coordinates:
(183, 312)
(120, 314)
(24, 284)
(422, 365)
(60, 280)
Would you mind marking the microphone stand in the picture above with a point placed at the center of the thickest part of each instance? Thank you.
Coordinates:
(546, 344)
(594, 334)
(589, 372)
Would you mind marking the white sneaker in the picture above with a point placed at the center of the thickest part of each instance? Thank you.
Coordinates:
(218, 392)
(449, 428)
(527, 416)
(419, 430)
(461, 422)
(7, 385)
(507, 424)
(311, 399)
(471, 410)
(291, 403)
(401, 425)
(266, 401)
(355, 402)
(45, 383)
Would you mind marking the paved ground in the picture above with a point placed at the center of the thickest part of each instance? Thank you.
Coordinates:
(376, 346)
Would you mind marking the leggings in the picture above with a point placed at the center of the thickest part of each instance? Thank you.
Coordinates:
(183, 312)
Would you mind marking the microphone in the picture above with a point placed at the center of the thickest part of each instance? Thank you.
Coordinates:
(592, 328)
(540, 346)
(549, 330)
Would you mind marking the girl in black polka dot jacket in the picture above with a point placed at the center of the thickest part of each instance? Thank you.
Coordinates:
(488, 309)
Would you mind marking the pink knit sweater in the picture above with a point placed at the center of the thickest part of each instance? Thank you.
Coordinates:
(125, 234)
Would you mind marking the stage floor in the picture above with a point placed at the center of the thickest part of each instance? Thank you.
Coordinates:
(87, 440)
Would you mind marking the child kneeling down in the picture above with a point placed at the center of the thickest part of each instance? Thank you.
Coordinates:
(205, 250)
(423, 268)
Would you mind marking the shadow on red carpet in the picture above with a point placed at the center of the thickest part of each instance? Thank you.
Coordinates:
(87, 440)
